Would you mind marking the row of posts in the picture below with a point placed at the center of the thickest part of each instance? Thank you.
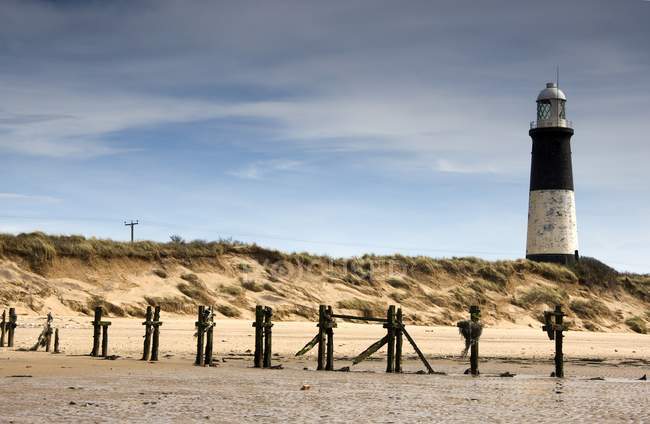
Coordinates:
(263, 336)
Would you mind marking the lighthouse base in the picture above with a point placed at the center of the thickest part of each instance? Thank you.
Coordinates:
(554, 258)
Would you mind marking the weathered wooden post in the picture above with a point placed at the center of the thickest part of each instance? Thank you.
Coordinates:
(105, 325)
(156, 333)
(209, 320)
(390, 328)
(555, 332)
(268, 332)
(96, 330)
(147, 334)
(398, 340)
(56, 341)
(200, 324)
(329, 364)
(48, 339)
(259, 347)
(322, 323)
(13, 318)
(3, 327)
(475, 316)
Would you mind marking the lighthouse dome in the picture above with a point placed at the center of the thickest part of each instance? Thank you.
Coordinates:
(551, 92)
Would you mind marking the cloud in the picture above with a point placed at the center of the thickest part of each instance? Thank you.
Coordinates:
(29, 197)
(261, 169)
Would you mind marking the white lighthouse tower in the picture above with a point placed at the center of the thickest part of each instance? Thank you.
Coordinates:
(552, 229)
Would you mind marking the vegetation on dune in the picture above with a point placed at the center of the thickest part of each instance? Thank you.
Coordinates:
(441, 290)
(637, 324)
(366, 307)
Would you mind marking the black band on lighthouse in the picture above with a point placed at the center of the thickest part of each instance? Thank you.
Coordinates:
(551, 167)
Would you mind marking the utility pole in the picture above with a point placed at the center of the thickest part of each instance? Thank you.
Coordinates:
(131, 224)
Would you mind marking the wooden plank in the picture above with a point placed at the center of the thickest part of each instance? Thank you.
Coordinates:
(359, 318)
(418, 351)
(309, 346)
(372, 349)
(559, 356)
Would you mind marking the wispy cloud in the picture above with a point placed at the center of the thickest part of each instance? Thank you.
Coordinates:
(261, 169)
(29, 197)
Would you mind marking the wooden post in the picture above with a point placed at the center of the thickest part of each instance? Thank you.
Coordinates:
(105, 339)
(390, 328)
(12, 326)
(156, 334)
(329, 364)
(3, 327)
(475, 315)
(258, 357)
(96, 331)
(147, 334)
(268, 332)
(56, 341)
(321, 337)
(559, 357)
(209, 338)
(199, 337)
(398, 341)
(48, 339)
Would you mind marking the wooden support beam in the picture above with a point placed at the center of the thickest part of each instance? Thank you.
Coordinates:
(57, 348)
(322, 311)
(3, 328)
(105, 339)
(258, 355)
(209, 337)
(96, 330)
(398, 340)
(370, 350)
(13, 319)
(268, 332)
(147, 334)
(329, 362)
(155, 341)
(475, 316)
(390, 330)
(199, 337)
(418, 351)
(309, 346)
(555, 332)
(359, 318)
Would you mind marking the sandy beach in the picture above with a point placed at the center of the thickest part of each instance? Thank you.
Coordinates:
(602, 372)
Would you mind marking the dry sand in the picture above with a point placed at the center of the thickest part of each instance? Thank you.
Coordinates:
(40, 387)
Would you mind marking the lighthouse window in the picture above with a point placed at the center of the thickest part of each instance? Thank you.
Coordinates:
(544, 109)
(562, 111)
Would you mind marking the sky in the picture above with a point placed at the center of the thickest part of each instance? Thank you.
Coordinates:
(338, 127)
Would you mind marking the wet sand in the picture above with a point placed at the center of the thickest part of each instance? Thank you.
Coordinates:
(41, 387)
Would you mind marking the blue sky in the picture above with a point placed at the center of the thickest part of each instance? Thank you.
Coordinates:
(330, 127)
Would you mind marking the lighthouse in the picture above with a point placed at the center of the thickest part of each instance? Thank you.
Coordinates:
(552, 229)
